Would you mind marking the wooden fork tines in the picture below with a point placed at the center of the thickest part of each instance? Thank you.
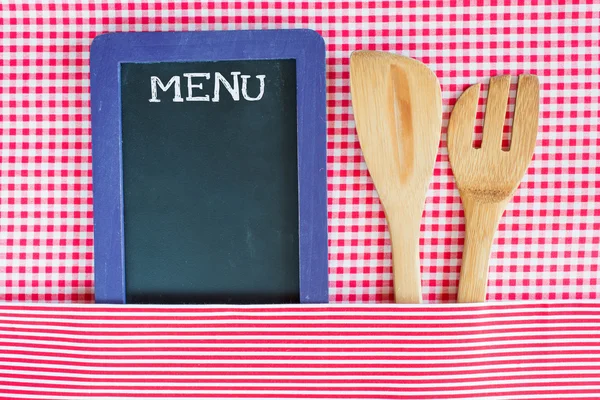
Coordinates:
(488, 177)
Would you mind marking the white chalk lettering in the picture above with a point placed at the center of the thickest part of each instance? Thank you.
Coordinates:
(155, 81)
(261, 79)
(234, 91)
(200, 82)
(191, 86)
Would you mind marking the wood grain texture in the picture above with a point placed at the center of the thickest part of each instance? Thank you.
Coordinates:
(398, 114)
(488, 177)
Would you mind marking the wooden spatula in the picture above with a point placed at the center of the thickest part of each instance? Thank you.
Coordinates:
(488, 177)
(398, 113)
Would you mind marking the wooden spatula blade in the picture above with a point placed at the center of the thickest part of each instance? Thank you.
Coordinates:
(371, 87)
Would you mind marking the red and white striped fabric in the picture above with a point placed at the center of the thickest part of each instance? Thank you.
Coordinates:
(494, 351)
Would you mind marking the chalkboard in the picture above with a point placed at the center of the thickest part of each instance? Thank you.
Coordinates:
(209, 167)
(210, 187)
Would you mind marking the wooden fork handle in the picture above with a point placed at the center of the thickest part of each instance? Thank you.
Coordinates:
(481, 220)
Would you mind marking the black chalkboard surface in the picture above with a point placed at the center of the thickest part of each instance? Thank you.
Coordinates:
(209, 167)
(210, 182)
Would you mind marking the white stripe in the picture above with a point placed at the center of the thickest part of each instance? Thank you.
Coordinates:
(562, 366)
(315, 392)
(452, 373)
(266, 335)
(316, 361)
(399, 329)
(563, 395)
(584, 350)
(142, 382)
(176, 343)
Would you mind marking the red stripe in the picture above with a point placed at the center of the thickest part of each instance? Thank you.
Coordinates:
(417, 363)
(269, 324)
(292, 357)
(545, 338)
(226, 379)
(218, 347)
(307, 388)
(381, 372)
(273, 332)
(284, 395)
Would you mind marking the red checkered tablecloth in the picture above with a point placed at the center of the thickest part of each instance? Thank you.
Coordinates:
(547, 243)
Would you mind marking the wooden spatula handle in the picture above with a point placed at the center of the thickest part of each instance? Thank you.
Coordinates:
(404, 233)
(481, 220)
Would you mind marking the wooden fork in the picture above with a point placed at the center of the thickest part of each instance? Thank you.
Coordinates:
(488, 177)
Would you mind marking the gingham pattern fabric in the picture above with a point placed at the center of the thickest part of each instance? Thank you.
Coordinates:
(547, 243)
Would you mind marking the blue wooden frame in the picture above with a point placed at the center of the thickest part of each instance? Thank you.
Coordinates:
(108, 51)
